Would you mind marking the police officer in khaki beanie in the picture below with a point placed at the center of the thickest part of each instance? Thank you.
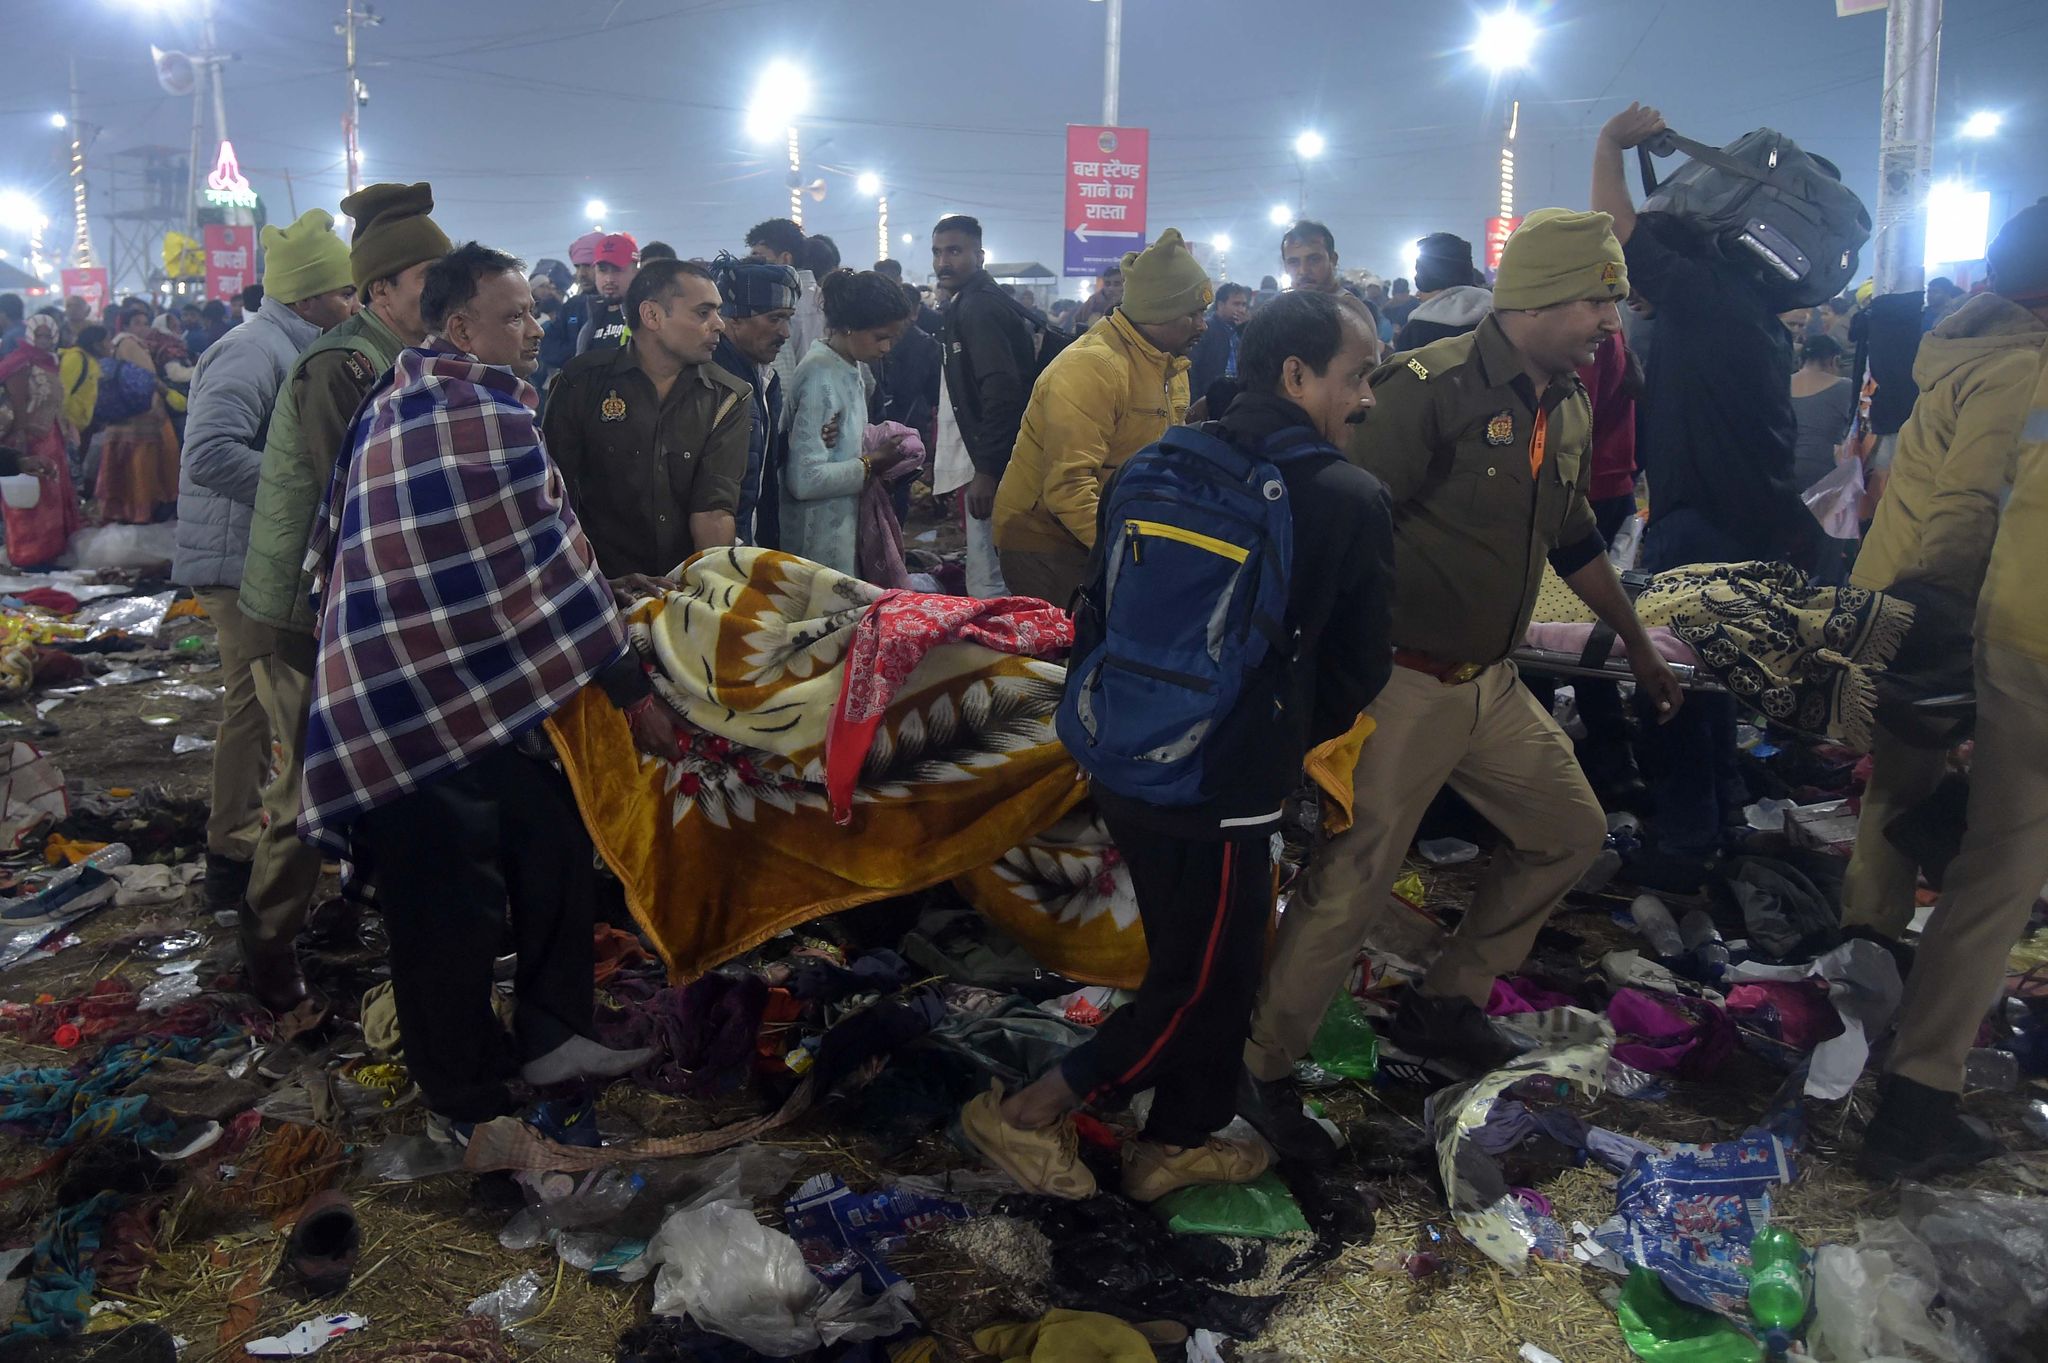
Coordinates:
(1482, 443)
(394, 242)
(1101, 400)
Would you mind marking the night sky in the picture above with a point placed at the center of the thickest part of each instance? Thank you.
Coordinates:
(519, 111)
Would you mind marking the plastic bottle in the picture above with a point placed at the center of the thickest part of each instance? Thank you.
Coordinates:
(49, 899)
(1703, 940)
(1777, 1287)
(1656, 924)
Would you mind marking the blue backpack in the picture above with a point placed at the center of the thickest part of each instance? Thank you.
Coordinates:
(1186, 600)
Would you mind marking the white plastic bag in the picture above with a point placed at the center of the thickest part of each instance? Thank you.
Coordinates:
(1836, 501)
(736, 1277)
(1870, 1308)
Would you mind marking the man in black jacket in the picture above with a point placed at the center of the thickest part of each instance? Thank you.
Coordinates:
(1203, 874)
(990, 357)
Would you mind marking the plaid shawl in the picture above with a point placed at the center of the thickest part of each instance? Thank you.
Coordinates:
(461, 602)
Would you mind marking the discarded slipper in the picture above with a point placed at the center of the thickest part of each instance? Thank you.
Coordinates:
(325, 1243)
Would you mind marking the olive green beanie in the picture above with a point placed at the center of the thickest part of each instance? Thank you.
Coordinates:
(304, 259)
(1558, 256)
(393, 231)
(1163, 281)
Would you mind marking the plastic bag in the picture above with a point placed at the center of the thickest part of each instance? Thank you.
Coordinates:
(1346, 1043)
(518, 1299)
(405, 1158)
(1836, 500)
(1262, 1209)
(735, 1276)
(1689, 1215)
(139, 616)
(1873, 1301)
(1662, 1329)
(843, 1233)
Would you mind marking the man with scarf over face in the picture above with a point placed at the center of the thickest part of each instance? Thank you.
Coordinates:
(461, 605)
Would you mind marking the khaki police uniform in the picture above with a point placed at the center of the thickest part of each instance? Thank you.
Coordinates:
(1476, 516)
(637, 466)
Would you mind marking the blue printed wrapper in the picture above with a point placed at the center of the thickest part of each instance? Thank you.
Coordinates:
(1689, 1214)
(843, 1233)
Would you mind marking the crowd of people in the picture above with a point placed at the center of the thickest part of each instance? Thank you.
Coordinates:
(421, 484)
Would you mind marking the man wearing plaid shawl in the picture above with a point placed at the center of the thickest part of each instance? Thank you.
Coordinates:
(461, 605)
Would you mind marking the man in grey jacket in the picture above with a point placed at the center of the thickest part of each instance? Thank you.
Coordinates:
(307, 290)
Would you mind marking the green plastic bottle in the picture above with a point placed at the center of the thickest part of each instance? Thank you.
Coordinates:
(1777, 1287)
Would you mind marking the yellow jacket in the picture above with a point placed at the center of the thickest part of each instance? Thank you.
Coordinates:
(2013, 607)
(1976, 373)
(1101, 400)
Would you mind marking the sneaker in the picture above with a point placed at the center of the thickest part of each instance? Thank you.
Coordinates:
(1151, 1170)
(1921, 1133)
(447, 1131)
(1273, 1107)
(1046, 1161)
(567, 1122)
(87, 891)
(1448, 1029)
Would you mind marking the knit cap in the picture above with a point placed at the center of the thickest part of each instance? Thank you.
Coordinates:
(1163, 281)
(1558, 256)
(304, 259)
(2018, 258)
(393, 231)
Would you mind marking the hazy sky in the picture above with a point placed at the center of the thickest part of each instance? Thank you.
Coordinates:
(519, 111)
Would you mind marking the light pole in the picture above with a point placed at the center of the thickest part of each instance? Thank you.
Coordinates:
(782, 96)
(354, 14)
(1221, 244)
(1280, 215)
(1307, 147)
(595, 210)
(871, 185)
(22, 218)
(1504, 45)
(1905, 157)
(1112, 58)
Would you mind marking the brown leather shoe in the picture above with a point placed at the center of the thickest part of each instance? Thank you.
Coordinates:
(325, 1243)
(271, 970)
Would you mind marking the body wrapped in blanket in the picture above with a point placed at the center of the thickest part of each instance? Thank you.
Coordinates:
(849, 744)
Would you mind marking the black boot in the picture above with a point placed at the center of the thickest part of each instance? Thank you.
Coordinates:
(1453, 1029)
(1921, 1133)
(226, 883)
(1273, 1107)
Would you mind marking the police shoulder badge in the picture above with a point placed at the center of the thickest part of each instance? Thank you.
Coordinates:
(613, 408)
(1500, 428)
(1418, 369)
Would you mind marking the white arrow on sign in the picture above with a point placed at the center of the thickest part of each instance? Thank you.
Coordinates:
(1083, 232)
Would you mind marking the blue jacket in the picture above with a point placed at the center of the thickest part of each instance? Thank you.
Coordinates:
(1214, 357)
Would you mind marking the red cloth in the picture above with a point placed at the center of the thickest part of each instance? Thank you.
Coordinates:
(1614, 421)
(892, 638)
(49, 599)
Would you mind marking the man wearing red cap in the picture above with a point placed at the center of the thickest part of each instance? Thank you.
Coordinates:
(618, 260)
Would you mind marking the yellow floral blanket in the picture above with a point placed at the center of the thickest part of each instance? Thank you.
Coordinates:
(736, 841)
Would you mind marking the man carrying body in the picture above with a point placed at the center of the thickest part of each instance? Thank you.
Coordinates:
(1102, 399)
(307, 291)
(990, 357)
(651, 436)
(617, 260)
(394, 242)
(445, 640)
(1482, 443)
(757, 299)
(1202, 872)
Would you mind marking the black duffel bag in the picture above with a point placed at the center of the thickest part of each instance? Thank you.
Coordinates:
(1763, 199)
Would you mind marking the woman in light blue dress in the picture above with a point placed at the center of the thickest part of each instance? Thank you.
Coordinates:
(821, 485)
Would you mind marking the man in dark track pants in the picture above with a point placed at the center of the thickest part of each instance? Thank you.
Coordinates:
(1203, 874)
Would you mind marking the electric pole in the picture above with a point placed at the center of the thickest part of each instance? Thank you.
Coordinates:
(353, 14)
(81, 235)
(1912, 52)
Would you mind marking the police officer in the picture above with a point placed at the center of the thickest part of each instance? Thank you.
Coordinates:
(394, 242)
(1482, 442)
(651, 436)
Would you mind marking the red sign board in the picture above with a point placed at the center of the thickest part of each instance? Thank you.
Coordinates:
(1106, 176)
(230, 261)
(89, 284)
(1498, 231)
